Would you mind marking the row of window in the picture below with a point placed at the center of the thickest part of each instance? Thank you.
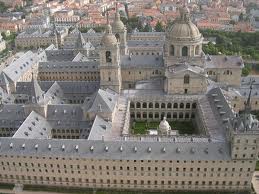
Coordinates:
(168, 115)
(162, 105)
(56, 78)
(127, 168)
(121, 181)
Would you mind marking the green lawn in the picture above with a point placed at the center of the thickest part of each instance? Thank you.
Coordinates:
(6, 186)
(184, 127)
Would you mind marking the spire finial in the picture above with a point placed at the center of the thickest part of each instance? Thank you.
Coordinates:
(248, 106)
(107, 17)
(248, 102)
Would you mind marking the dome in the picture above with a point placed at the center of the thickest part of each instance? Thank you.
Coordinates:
(118, 25)
(109, 39)
(185, 31)
(183, 27)
(164, 127)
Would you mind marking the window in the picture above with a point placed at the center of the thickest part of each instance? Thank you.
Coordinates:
(172, 50)
(186, 79)
(185, 51)
(197, 50)
(117, 37)
(108, 57)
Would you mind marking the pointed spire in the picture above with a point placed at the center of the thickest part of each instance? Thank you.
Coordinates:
(117, 14)
(247, 111)
(108, 26)
(248, 102)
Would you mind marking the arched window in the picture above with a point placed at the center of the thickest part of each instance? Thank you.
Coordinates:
(188, 105)
(172, 50)
(194, 105)
(169, 115)
(163, 105)
(150, 105)
(138, 105)
(197, 50)
(169, 105)
(144, 105)
(175, 105)
(144, 115)
(117, 37)
(185, 51)
(156, 105)
(182, 105)
(108, 56)
(150, 115)
(186, 79)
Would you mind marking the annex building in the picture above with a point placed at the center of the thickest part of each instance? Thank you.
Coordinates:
(67, 114)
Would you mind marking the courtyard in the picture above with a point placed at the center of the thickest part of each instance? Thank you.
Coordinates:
(184, 127)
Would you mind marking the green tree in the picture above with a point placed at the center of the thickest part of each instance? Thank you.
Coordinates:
(246, 70)
(3, 7)
(159, 27)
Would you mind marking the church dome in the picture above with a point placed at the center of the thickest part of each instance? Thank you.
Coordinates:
(109, 39)
(118, 25)
(164, 127)
(184, 28)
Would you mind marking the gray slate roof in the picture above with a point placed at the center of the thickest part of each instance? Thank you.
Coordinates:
(70, 66)
(99, 129)
(221, 61)
(34, 127)
(141, 61)
(101, 101)
(20, 66)
(115, 150)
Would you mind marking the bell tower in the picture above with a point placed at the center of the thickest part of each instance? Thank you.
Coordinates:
(120, 31)
(110, 71)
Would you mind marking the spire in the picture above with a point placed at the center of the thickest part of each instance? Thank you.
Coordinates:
(247, 111)
(248, 102)
(108, 26)
(117, 14)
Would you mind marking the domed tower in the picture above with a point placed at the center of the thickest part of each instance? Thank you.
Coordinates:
(183, 39)
(120, 32)
(110, 72)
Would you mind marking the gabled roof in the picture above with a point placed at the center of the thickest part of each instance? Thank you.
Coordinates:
(101, 101)
(20, 66)
(177, 69)
(54, 95)
(36, 92)
(99, 128)
(34, 127)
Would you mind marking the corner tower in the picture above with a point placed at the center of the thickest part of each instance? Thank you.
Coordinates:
(110, 71)
(120, 32)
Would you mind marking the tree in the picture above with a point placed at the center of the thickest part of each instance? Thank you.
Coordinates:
(246, 70)
(159, 27)
(3, 7)
(147, 28)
